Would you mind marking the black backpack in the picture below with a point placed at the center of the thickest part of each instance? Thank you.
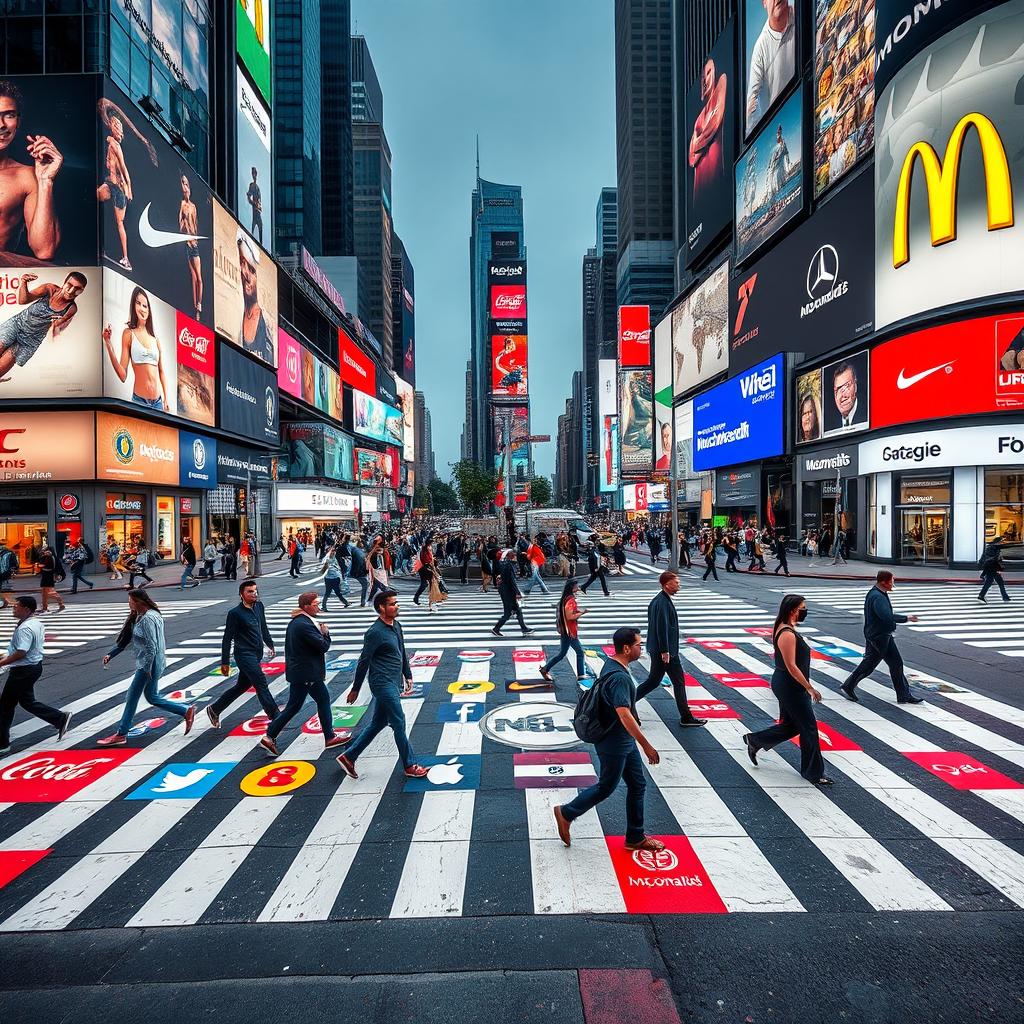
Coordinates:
(89, 556)
(587, 721)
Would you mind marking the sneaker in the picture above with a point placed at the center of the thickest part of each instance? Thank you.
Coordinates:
(348, 766)
(911, 699)
(190, 718)
(269, 745)
(213, 717)
(335, 741)
(847, 691)
(64, 726)
(529, 632)
(496, 632)
(116, 740)
(416, 771)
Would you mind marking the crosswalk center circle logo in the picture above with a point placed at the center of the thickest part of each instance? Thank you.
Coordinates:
(532, 725)
(656, 860)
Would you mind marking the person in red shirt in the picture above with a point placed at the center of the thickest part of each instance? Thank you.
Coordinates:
(567, 619)
(535, 556)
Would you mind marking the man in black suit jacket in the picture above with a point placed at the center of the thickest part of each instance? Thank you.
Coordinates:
(510, 594)
(880, 623)
(663, 648)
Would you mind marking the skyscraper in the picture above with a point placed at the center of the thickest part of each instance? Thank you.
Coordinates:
(424, 441)
(336, 128)
(403, 311)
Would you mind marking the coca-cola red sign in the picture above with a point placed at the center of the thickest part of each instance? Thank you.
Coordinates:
(634, 336)
(50, 776)
(508, 301)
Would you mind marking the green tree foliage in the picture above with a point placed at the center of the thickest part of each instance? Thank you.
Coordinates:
(444, 497)
(540, 491)
(476, 486)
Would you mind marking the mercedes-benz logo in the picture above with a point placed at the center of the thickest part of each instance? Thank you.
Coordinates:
(822, 272)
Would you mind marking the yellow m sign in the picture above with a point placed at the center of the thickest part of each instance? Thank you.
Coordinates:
(941, 179)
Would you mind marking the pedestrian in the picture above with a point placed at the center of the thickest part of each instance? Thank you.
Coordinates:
(209, 558)
(358, 570)
(426, 573)
(684, 550)
(47, 568)
(619, 556)
(791, 684)
(709, 558)
(617, 749)
(780, 554)
(992, 570)
(730, 545)
(465, 556)
(654, 545)
(508, 591)
(230, 553)
(243, 556)
(880, 623)
(536, 558)
(280, 547)
(79, 556)
(375, 561)
(144, 631)
(8, 567)
(188, 560)
(138, 565)
(597, 570)
(485, 565)
(246, 630)
(567, 618)
(384, 661)
(25, 659)
(295, 554)
(333, 577)
(306, 643)
(756, 555)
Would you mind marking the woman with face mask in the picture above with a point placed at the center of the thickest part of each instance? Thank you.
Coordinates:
(791, 683)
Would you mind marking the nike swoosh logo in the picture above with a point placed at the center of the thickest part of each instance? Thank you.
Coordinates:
(155, 238)
(903, 381)
(528, 686)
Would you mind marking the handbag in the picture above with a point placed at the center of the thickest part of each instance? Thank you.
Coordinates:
(437, 595)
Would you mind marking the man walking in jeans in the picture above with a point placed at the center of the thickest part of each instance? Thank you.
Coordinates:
(383, 658)
(25, 654)
(617, 749)
(246, 628)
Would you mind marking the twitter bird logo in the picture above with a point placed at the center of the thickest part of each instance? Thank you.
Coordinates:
(172, 782)
(182, 781)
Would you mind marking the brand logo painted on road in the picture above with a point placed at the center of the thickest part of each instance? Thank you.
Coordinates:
(566, 770)
(711, 709)
(418, 690)
(142, 728)
(311, 727)
(469, 688)
(669, 881)
(454, 771)
(529, 686)
(528, 654)
(831, 739)
(480, 655)
(713, 645)
(961, 771)
(182, 781)
(50, 776)
(277, 779)
(422, 660)
(532, 725)
(740, 679)
(341, 665)
(255, 726)
(461, 711)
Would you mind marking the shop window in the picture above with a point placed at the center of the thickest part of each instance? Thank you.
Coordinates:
(1004, 505)
(26, 540)
(872, 515)
(126, 520)
(166, 541)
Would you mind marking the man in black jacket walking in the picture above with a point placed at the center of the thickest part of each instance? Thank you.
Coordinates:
(880, 623)
(597, 569)
(510, 594)
(246, 628)
(663, 648)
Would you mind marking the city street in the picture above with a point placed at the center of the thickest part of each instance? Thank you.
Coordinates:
(199, 859)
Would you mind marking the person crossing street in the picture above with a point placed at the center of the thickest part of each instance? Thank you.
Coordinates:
(510, 594)
(991, 571)
(596, 568)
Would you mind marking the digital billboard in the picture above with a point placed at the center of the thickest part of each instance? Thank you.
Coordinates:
(508, 301)
(833, 399)
(376, 420)
(136, 451)
(769, 45)
(407, 404)
(711, 146)
(844, 82)
(245, 289)
(663, 395)
(255, 199)
(41, 446)
(247, 400)
(506, 272)
(770, 178)
(607, 389)
(700, 332)
(634, 336)
(252, 41)
(509, 366)
(289, 363)
(318, 450)
(741, 419)
(636, 422)
(357, 368)
(684, 440)
(377, 469)
(946, 230)
(197, 460)
(610, 466)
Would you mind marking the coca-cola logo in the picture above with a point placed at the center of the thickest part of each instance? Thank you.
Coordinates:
(49, 776)
(642, 336)
(510, 302)
(68, 502)
(196, 342)
(51, 768)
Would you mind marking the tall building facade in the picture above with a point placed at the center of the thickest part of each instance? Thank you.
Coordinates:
(425, 470)
(403, 312)
(337, 169)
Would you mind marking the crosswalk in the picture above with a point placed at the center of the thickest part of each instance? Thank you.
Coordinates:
(927, 813)
(946, 611)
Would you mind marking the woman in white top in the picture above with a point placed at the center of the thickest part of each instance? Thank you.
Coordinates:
(140, 349)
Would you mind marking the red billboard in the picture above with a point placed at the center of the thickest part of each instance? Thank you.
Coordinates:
(634, 336)
(509, 354)
(974, 366)
(508, 301)
(357, 368)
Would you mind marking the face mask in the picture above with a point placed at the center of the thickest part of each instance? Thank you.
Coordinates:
(802, 615)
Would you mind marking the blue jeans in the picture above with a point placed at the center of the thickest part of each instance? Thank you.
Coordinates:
(568, 643)
(364, 583)
(189, 569)
(297, 694)
(145, 685)
(149, 403)
(332, 585)
(387, 711)
(615, 767)
(535, 578)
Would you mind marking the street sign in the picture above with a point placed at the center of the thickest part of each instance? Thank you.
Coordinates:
(534, 439)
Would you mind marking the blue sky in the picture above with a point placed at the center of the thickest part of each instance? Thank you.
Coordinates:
(536, 80)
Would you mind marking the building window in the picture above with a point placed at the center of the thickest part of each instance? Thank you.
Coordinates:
(1004, 505)
(872, 515)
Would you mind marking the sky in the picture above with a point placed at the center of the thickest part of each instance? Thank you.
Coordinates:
(536, 80)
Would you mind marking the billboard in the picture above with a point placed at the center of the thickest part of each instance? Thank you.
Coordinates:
(663, 395)
(769, 46)
(607, 392)
(407, 404)
(247, 398)
(509, 366)
(711, 147)
(815, 290)
(245, 289)
(136, 451)
(197, 463)
(508, 301)
(252, 41)
(254, 200)
(636, 422)
(700, 332)
(504, 244)
(376, 420)
(357, 368)
(684, 441)
(946, 230)
(49, 319)
(48, 147)
(610, 464)
(740, 420)
(506, 272)
(238, 465)
(833, 399)
(377, 469)
(634, 336)
(156, 213)
(770, 178)
(844, 83)
(318, 450)
(289, 363)
(41, 446)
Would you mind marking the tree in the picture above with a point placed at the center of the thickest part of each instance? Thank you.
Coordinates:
(444, 497)
(421, 497)
(540, 491)
(476, 486)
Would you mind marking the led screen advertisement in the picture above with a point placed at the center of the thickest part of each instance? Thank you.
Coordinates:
(663, 395)
(506, 272)
(610, 466)
(509, 366)
(946, 227)
(252, 41)
(247, 399)
(634, 336)
(318, 450)
(377, 469)
(376, 420)
(636, 422)
(407, 404)
(740, 420)
(289, 363)
(607, 390)
(844, 80)
(357, 369)
(770, 178)
(834, 399)
(245, 289)
(700, 332)
(41, 446)
(711, 147)
(769, 46)
(135, 451)
(255, 192)
(508, 301)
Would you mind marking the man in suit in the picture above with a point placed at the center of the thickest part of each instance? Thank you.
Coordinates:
(510, 594)
(597, 569)
(663, 648)
(880, 623)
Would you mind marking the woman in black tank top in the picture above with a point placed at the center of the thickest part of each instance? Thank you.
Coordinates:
(791, 683)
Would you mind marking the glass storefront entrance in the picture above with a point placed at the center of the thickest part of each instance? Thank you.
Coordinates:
(924, 536)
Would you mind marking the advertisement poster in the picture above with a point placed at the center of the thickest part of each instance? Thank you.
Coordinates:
(607, 395)
(357, 369)
(769, 37)
(634, 336)
(317, 450)
(770, 179)
(197, 368)
(135, 451)
(377, 469)
(252, 41)
(508, 302)
(48, 142)
(663, 395)
(328, 390)
(49, 325)
(740, 420)
(509, 369)
(245, 289)
(407, 404)
(700, 332)
(636, 422)
(711, 146)
(684, 441)
(41, 446)
(808, 407)
(844, 80)
(248, 397)
(289, 364)
(156, 214)
(946, 230)
(834, 399)
(610, 464)
(376, 420)
(198, 461)
(255, 199)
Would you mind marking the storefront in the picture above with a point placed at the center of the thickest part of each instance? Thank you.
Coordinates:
(829, 493)
(737, 496)
(241, 501)
(300, 508)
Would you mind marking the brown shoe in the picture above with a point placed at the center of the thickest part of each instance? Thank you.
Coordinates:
(213, 716)
(546, 675)
(416, 771)
(337, 740)
(116, 740)
(190, 718)
(269, 746)
(562, 824)
(647, 843)
(348, 766)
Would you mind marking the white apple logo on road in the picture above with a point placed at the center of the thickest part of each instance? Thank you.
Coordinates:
(447, 774)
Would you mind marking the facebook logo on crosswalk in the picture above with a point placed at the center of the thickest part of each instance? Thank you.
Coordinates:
(462, 711)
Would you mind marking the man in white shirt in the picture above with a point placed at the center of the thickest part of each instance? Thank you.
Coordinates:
(772, 61)
(25, 653)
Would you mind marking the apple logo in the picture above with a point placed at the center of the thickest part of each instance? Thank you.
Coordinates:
(447, 774)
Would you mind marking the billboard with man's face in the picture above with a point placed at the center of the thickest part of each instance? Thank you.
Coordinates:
(769, 36)
(833, 399)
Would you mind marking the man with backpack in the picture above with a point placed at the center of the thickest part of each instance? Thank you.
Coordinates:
(992, 570)
(79, 556)
(606, 717)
